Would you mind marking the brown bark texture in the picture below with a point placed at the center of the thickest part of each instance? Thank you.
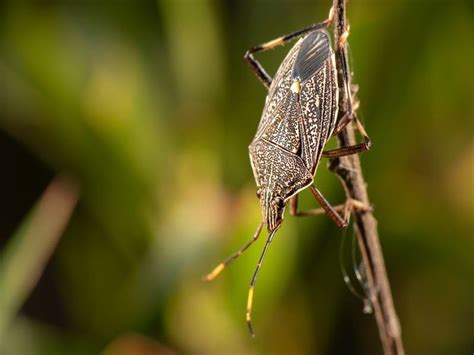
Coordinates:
(349, 171)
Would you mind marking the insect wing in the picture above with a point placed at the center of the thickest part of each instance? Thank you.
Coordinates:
(279, 89)
(300, 124)
(312, 55)
(318, 96)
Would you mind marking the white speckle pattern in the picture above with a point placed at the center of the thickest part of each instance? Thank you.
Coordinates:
(292, 133)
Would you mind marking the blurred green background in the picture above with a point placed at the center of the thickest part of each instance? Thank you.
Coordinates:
(148, 108)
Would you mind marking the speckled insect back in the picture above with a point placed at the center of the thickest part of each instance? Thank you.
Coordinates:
(299, 117)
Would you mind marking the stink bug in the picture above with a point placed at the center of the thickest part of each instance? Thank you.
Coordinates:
(299, 117)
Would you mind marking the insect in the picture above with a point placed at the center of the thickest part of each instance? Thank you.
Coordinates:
(299, 117)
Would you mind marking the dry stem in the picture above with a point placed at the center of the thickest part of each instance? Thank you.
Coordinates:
(349, 171)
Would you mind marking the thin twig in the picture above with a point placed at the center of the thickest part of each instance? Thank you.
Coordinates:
(349, 171)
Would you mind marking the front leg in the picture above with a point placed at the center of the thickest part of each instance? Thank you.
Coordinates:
(293, 209)
(326, 208)
(258, 69)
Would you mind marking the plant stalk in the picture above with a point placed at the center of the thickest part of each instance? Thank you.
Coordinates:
(349, 171)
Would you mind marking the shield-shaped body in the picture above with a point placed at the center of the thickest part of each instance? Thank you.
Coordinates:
(298, 119)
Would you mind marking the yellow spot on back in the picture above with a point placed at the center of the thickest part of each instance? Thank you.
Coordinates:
(295, 86)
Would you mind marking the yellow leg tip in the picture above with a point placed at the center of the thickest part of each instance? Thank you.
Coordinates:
(249, 311)
(249, 301)
(212, 275)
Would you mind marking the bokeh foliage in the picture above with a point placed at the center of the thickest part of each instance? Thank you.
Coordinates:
(150, 108)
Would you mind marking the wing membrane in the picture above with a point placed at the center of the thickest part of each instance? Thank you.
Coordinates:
(314, 51)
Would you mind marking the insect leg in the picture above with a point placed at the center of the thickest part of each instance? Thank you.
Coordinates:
(248, 313)
(218, 269)
(332, 212)
(341, 152)
(350, 92)
(348, 118)
(293, 209)
(326, 208)
(357, 148)
(258, 69)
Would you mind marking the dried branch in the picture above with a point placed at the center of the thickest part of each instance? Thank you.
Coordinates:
(349, 171)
